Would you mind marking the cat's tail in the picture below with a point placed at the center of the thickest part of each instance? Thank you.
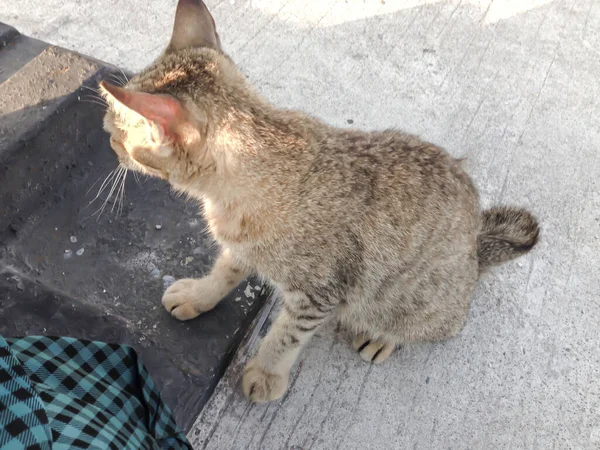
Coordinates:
(506, 233)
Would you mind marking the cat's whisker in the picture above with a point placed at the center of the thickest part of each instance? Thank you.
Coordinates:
(124, 80)
(96, 182)
(94, 101)
(115, 182)
(122, 202)
(109, 196)
(88, 97)
(93, 94)
(137, 178)
(89, 88)
(120, 194)
(124, 76)
(107, 180)
(117, 80)
(120, 79)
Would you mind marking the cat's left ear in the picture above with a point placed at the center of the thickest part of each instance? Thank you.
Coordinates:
(194, 27)
(162, 110)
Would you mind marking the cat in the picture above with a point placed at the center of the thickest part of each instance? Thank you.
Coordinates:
(379, 230)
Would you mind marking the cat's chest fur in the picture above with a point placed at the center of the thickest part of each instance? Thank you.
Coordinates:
(232, 224)
(257, 237)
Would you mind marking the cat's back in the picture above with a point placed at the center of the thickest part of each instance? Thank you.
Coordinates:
(382, 166)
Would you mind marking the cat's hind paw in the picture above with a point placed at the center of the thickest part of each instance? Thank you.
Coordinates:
(372, 350)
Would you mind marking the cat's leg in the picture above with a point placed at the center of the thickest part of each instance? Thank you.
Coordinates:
(266, 376)
(188, 298)
(372, 350)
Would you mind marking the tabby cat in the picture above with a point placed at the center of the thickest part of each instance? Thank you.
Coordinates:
(378, 230)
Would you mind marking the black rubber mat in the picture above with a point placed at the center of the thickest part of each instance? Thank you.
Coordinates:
(68, 269)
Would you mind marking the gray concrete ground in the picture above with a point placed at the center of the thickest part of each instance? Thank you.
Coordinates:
(512, 85)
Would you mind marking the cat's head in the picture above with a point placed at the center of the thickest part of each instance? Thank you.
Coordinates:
(161, 120)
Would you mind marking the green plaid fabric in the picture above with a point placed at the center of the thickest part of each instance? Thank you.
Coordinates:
(63, 393)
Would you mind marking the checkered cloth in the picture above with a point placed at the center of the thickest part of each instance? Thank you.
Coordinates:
(63, 393)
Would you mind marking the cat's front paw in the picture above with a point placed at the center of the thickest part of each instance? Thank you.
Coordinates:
(260, 386)
(187, 298)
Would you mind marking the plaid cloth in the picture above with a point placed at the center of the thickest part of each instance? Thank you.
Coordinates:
(63, 393)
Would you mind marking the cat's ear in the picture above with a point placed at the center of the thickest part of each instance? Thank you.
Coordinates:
(161, 110)
(194, 27)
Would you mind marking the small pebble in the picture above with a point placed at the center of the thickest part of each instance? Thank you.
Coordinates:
(248, 292)
(158, 227)
(151, 267)
(68, 253)
(73, 239)
(80, 251)
(155, 273)
(168, 280)
(198, 251)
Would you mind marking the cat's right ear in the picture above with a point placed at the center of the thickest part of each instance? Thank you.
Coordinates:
(194, 27)
(163, 111)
